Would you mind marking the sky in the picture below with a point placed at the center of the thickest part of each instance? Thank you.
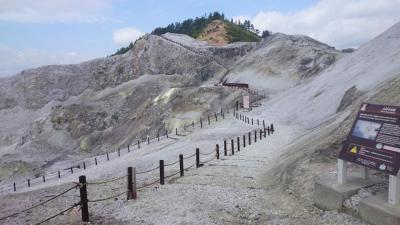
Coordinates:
(41, 32)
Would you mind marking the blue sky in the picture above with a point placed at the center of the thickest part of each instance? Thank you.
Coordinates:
(34, 33)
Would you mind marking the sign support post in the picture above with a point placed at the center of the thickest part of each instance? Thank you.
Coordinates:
(342, 171)
(394, 190)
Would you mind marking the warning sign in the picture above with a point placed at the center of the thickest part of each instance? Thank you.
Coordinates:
(374, 139)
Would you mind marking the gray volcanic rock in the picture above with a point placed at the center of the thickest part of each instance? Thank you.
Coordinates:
(71, 111)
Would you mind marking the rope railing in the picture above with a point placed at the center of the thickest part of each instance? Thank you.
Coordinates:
(188, 157)
(108, 198)
(59, 213)
(39, 204)
(105, 181)
(171, 164)
(148, 171)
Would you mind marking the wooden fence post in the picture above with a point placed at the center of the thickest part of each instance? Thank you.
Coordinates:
(233, 147)
(244, 141)
(129, 195)
(217, 150)
(238, 144)
(197, 157)
(225, 150)
(181, 167)
(84, 200)
(249, 138)
(162, 172)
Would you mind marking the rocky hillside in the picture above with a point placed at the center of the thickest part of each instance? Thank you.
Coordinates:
(71, 111)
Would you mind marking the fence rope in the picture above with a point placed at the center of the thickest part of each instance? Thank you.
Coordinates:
(106, 181)
(60, 213)
(172, 174)
(147, 185)
(39, 204)
(172, 163)
(190, 166)
(209, 160)
(148, 171)
(108, 198)
(188, 157)
(207, 153)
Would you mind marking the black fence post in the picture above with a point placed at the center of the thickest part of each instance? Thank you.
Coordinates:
(252, 121)
(59, 174)
(233, 147)
(138, 143)
(261, 135)
(237, 105)
(84, 165)
(244, 141)
(197, 157)
(129, 195)
(249, 138)
(258, 122)
(29, 182)
(201, 124)
(225, 150)
(72, 170)
(166, 133)
(272, 128)
(265, 132)
(264, 123)
(108, 157)
(162, 172)
(176, 131)
(221, 112)
(95, 161)
(44, 179)
(238, 143)
(119, 152)
(208, 119)
(216, 117)
(255, 136)
(269, 131)
(217, 150)
(15, 187)
(181, 167)
(193, 124)
(158, 136)
(148, 140)
(129, 149)
(84, 200)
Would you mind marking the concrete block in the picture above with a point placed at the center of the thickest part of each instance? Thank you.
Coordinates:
(330, 195)
(377, 211)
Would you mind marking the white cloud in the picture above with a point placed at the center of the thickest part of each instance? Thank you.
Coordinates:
(341, 23)
(126, 35)
(12, 61)
(50, 11)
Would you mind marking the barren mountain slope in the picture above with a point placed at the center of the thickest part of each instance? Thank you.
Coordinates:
(58, 113)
